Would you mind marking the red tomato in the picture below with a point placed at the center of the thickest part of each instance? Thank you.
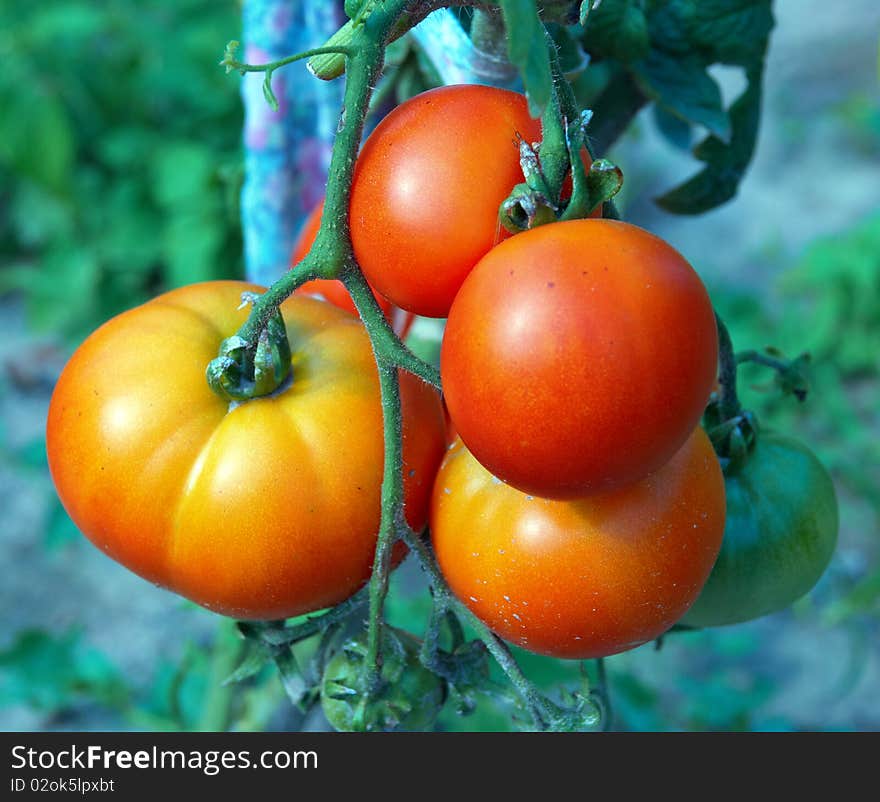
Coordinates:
(263, 510)
(330, 290)
(587, 577)
(578, 357)
(427, 187)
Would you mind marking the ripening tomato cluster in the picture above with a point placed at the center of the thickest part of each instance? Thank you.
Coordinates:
(582, 509)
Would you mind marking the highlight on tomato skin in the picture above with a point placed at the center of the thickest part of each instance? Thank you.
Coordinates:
(581, 578)
(578, 357)
(424, 207)
(266, 510)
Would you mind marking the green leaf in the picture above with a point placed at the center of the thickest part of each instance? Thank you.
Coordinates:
(725, 162)
(682, 86)
(676, 131)
(618, 29)
(732, 31)
(527, 50)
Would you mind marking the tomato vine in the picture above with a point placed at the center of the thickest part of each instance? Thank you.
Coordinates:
(332, 257)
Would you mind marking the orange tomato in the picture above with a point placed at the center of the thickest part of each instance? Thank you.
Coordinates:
(587, 577)
(265, 509)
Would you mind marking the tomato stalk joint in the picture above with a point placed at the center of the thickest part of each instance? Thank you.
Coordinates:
(243, 371)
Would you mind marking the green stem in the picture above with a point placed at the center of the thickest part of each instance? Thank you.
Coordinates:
(614, 110)
(386, 344)
(293, 633)
(231, 63)
(604, 695)
(540, 709)
(561, 112)
(729, 406)
(392, 509)
(779, 365)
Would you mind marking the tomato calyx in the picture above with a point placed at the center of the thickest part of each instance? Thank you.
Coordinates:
(732, 429)
(243, 371)
(733, 439)
(561, 180)
(409, 696)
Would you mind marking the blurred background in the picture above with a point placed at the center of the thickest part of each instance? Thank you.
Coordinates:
(121, 167)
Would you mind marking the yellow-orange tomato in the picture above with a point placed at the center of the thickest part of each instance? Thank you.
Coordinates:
(263, 510)
(583, 578)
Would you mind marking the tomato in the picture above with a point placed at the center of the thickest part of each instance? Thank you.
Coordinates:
(580, 578)
(330, 290)
(428, 184)
(780, 534)
(409, 696)
(578, 357)
(263, 510)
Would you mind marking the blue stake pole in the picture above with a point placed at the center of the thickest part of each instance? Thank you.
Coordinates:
(287, 152)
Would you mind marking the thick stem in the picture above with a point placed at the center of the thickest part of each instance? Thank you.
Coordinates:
(729, 406)
(332, 247)
(392, 507)
(386, 344)
(286, 635)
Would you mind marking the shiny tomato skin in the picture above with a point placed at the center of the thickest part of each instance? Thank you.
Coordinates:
(581, 578)
(781, 531)
(264, 510)
(331, 290)
(578, 357)
(428, 184)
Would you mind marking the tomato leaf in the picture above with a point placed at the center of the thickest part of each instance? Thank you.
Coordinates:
(665, 48)
(682, 87)
(527, 50)
(257, 655)
(731, 31)
(726, 162)
(676, 131)
(618, 29)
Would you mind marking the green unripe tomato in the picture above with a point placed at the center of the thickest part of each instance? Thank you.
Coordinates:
(780, 533)
(409, 697)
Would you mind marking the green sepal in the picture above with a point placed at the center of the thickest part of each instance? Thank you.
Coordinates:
(408, 697)
(733, 439)
(526, 208)
(794, 377)
(241, 373)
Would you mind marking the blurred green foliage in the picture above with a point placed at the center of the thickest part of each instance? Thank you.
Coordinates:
(49, 672)
(62, 676)
(119, 153)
